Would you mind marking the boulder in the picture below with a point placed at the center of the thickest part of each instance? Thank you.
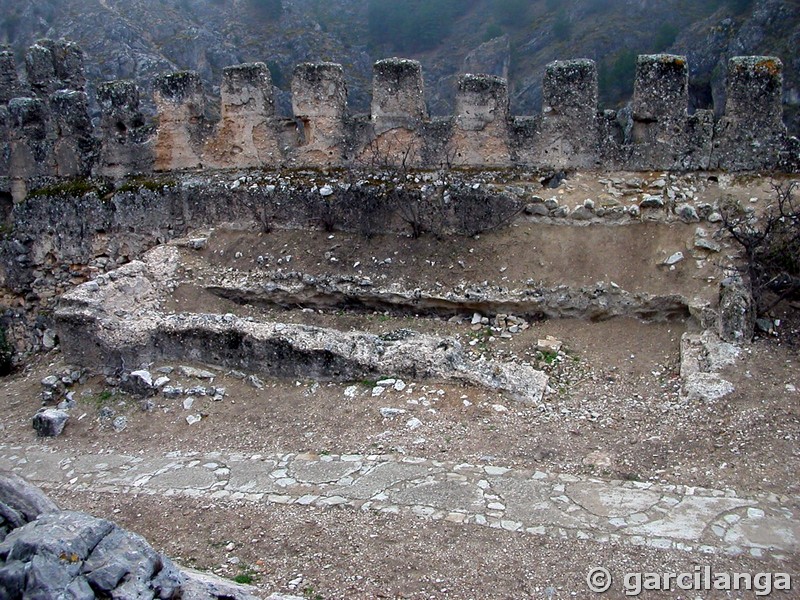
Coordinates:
(50, 422)
(20, 503)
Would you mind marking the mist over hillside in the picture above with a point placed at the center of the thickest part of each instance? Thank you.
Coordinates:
(138, 39)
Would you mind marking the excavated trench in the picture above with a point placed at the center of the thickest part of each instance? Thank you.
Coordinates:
(595, 304)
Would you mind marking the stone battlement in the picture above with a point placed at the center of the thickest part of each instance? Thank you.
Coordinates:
(47, 130)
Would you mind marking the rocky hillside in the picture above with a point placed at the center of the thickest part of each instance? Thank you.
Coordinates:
(138, 39)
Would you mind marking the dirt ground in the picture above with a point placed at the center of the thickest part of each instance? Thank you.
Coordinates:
(613, 411)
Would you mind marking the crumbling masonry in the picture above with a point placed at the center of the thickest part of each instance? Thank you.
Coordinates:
(47, 130)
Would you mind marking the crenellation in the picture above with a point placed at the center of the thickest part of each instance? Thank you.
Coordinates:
(47, 130)
(247, 89)
(125, 144)
(319, 103)
(10, 86)
(754, 91)
(53, 65)
(569, 124)
(480, 135)
(40, 68)
(751, 130)
(659, 127)
(30, 143)
(398, 95)
(661, 88)
(74, 145)
(246, 135)
(179, 137)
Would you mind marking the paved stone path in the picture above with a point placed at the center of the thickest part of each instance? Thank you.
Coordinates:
(529, 502)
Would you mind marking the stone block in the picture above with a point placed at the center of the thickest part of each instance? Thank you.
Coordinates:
(319, 90)
(247, 89)
(398, 95)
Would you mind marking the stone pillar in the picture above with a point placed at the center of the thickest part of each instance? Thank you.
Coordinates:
(480, 136)
(30, 143)
(751, 135)
(9, 81)
(661, 89)
(247, 90)
(54, 65)
(179, 102)
(245, 136)
(569, 134)
(398, 114)
(75, 147)
(319, 103)
(40, 67)
(125, 145)
(398, 95)
(659, 136)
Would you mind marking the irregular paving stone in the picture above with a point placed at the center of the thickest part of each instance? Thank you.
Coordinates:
(530, 503)
(184, 479)
(383, 476)
(249, 477)
(321, 472)
(688, 519)
(605, 501)
(442, 494)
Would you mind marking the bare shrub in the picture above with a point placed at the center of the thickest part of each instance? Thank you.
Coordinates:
(479, 211)
(771, 245)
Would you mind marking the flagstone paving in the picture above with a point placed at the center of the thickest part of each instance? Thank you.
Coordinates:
(669, 517)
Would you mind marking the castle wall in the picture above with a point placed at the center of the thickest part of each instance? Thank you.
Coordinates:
(47, 131)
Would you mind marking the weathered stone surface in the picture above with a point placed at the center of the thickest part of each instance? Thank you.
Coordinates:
(569, 126)
(319, 101)
(245, 136)
(752, 129)
(480, 135)
(736, 310)
(47, 553)
(705, 387)
(661, 133)
(20, 503)
(398, 95)
(50, 422)
(125, 144)
(10, 85)
(93, 333)
(67, 552)
(180, 102)
(656, 132)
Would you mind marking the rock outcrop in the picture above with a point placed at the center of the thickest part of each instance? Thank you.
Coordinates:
(48, 553)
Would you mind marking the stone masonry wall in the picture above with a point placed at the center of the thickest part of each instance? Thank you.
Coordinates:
(47, 132)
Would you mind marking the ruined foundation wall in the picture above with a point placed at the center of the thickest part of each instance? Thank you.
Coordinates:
(47, 131)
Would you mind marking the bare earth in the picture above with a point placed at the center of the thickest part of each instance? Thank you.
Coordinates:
(613, 413)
